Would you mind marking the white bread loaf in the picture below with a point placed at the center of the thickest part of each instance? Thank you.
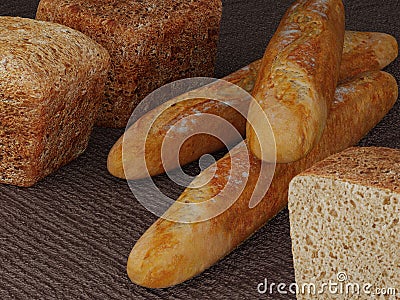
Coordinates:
(344, 217)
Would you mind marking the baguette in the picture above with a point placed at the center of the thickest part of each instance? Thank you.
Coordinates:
(169, 253)
(366, 51)
(370, 51)
(296, 82)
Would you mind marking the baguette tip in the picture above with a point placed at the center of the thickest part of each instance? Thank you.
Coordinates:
(114, 161)
(148, 273)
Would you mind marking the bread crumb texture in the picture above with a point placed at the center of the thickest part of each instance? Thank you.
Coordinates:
(150, 42)
(52, 81)
(344, 217)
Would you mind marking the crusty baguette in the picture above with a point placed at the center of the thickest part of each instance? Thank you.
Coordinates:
(366, 51)
(297, 80)
(169, 252)
(369, 51)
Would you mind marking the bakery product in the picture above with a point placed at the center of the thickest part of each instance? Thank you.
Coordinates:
(362, 50)
(169, 252)
(150, 43)
(51, 84)
(297, 80)
(370, 51)
(344, 221)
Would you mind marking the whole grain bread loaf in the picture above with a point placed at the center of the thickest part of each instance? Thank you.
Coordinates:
(51, 84)
(344, 215)
(150, 43)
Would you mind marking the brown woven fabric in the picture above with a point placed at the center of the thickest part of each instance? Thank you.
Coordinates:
(69, 237)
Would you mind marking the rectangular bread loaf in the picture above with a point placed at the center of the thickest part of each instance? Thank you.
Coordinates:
(51, 84)
(344, 216)
(150, 43)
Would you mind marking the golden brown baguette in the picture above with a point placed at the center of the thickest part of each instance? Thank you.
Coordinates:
(169, 253)
(370, 51)
(297, 80)
(366, 51)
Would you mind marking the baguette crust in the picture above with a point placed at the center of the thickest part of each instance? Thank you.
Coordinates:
(169, 253)
(366, 51)
(171, 113)
(370, 51)
(297, 80)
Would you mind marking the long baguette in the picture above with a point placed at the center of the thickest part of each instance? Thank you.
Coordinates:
(297, 80)
(169, 253)
(363, 51)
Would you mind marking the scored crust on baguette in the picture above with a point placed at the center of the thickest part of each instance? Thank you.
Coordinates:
(370, 50)
(363, 50)
(344, 214)
(297, 80)
(169, 253)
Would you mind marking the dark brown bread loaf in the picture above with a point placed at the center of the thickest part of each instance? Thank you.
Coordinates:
(51, 84)
(150, 43)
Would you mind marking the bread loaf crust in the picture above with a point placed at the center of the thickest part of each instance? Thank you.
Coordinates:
(370, 51)
(377, 167)
(169, 253)
(52, 81)
(297, 80)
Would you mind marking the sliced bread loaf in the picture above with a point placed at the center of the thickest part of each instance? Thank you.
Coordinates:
(51, 84)
(344, 217)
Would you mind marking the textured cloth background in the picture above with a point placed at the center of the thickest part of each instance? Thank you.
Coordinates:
(69, 237)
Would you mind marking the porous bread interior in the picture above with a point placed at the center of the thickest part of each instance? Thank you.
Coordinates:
(337, 226)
